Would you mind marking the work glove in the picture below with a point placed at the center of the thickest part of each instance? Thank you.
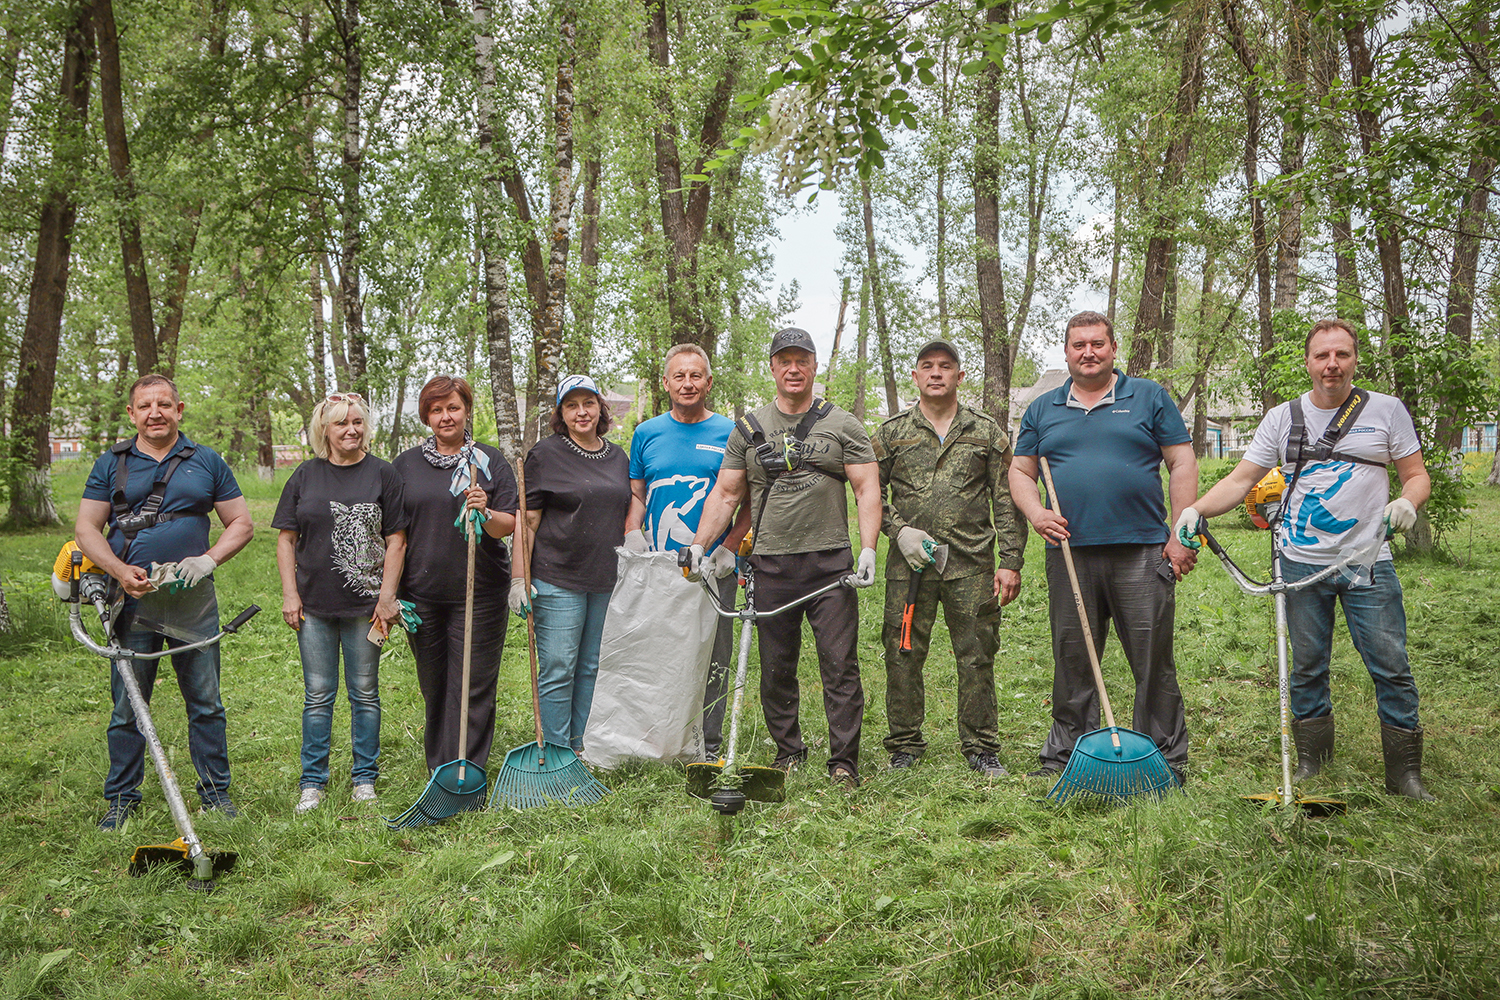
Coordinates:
(1189, 525)
(195, 569)
(520, 600)
(1400, 515)
(470, 520)
(864, 575)
(916, 547)
(636, 541)
(695, 563)
(720, 564)
(409, 617)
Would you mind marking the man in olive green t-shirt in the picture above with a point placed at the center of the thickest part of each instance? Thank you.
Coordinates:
(802, 543)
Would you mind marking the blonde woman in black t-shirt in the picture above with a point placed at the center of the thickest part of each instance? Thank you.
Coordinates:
(577, 498)
(340, 552)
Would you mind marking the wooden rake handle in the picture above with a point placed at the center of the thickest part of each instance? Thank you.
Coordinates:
(1083, 618)
(523, 555)
(463, 696)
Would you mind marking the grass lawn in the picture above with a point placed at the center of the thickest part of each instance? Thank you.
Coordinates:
(931, 883)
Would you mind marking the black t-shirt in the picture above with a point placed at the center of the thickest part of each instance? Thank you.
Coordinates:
(584, 497)
(342, 515)
(436, 552)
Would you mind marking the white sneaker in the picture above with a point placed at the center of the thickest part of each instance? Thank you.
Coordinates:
(309, 800)
(363, 793)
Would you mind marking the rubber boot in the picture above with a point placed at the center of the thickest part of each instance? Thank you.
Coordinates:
(1403, 762)
(1314, 739)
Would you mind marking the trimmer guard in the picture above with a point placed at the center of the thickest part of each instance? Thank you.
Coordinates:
(759, 784)
(151, 856)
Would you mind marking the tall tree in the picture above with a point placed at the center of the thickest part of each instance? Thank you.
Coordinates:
(31, 405)
(346, 22)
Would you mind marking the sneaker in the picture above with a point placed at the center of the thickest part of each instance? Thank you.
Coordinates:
(901, 760)
(987, 764)
(363, 792)
(308, 800)
(841, 775)
(1044, 772)
(221, 804)
(790, 762)
(115, 816)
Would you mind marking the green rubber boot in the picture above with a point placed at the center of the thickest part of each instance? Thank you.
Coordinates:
(1403, 762)
(1314, 739)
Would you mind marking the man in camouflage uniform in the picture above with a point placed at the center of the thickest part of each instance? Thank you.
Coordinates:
(943, 477)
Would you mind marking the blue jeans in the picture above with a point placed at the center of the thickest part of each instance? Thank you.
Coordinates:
(319, 641)
(569, 625)
(198, 680)
(1377, 624)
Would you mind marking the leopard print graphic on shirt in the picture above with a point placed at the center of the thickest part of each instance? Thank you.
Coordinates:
(358, 547)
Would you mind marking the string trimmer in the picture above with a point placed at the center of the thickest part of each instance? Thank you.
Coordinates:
(187, 851)
(1278, 588)
(727, 784)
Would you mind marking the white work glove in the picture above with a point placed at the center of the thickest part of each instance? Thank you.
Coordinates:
(695, 563)
(520, 601)
(720, 564)
(916, 547)
(864, 575)
(1400, 515)
(636, 541)
(1189, 524)
(194, 569)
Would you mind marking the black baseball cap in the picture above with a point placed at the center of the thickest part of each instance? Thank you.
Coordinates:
(939, 345)
(792, 337)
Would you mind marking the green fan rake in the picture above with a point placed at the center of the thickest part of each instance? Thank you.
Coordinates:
(1111, 762)
(459, 785)
(540, 773)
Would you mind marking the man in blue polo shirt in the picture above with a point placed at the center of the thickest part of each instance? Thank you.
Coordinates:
(177, 532)
(674, 462)
(1105, 437)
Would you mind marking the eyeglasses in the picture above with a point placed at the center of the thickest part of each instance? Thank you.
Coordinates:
(345, 397)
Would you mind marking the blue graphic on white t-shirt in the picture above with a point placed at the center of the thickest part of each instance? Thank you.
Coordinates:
(1312, 512)
(676, 511)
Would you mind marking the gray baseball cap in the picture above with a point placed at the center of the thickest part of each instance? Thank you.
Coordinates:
(939, 345)
(792, 337)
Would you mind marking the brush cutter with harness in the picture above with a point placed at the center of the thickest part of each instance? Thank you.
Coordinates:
(187, 851)
(1359, 559)
(727, 784)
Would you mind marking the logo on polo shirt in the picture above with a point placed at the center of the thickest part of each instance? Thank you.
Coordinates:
(1119, 411)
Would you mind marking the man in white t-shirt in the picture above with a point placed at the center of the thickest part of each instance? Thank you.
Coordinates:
(1339, 499)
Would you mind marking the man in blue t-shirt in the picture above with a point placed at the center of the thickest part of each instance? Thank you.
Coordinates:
(1105, 437)
(674, 462)
(196, 481)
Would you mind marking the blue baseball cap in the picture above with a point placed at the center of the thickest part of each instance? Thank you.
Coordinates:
(572, 382)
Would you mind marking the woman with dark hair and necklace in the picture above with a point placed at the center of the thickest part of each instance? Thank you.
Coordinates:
(577, 499)
(436, 478)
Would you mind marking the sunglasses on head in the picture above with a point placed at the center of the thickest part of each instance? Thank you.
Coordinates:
(345, 397)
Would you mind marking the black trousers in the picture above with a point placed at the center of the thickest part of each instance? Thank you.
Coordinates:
(834, 619)
(723, 664)
(1120, 584)
(438, 647)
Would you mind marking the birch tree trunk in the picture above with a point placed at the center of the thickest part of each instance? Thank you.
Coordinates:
(496, 280)
(882, 330)
(351, 250)
(549, 346)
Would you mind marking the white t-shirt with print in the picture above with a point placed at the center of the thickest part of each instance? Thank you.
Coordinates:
(1336, 505)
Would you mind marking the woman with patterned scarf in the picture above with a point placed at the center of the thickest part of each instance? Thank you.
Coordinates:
(436, 474)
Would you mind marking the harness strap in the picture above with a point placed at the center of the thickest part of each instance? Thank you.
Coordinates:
(1325, 448)
(775, 466)
(151, 506)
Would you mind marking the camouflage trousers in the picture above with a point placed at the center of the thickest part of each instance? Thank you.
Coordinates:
(972, 615)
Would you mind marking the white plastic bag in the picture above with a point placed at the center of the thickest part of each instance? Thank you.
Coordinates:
(653, 665)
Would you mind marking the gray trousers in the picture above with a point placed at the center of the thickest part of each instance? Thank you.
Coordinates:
(1120, 584)
(720, 668)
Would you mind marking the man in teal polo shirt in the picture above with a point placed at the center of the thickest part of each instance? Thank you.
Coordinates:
(195, 481)
(1106, 436)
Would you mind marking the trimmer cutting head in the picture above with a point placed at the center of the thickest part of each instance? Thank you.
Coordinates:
(757, 784)
(203, 872)
(1313, 805)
